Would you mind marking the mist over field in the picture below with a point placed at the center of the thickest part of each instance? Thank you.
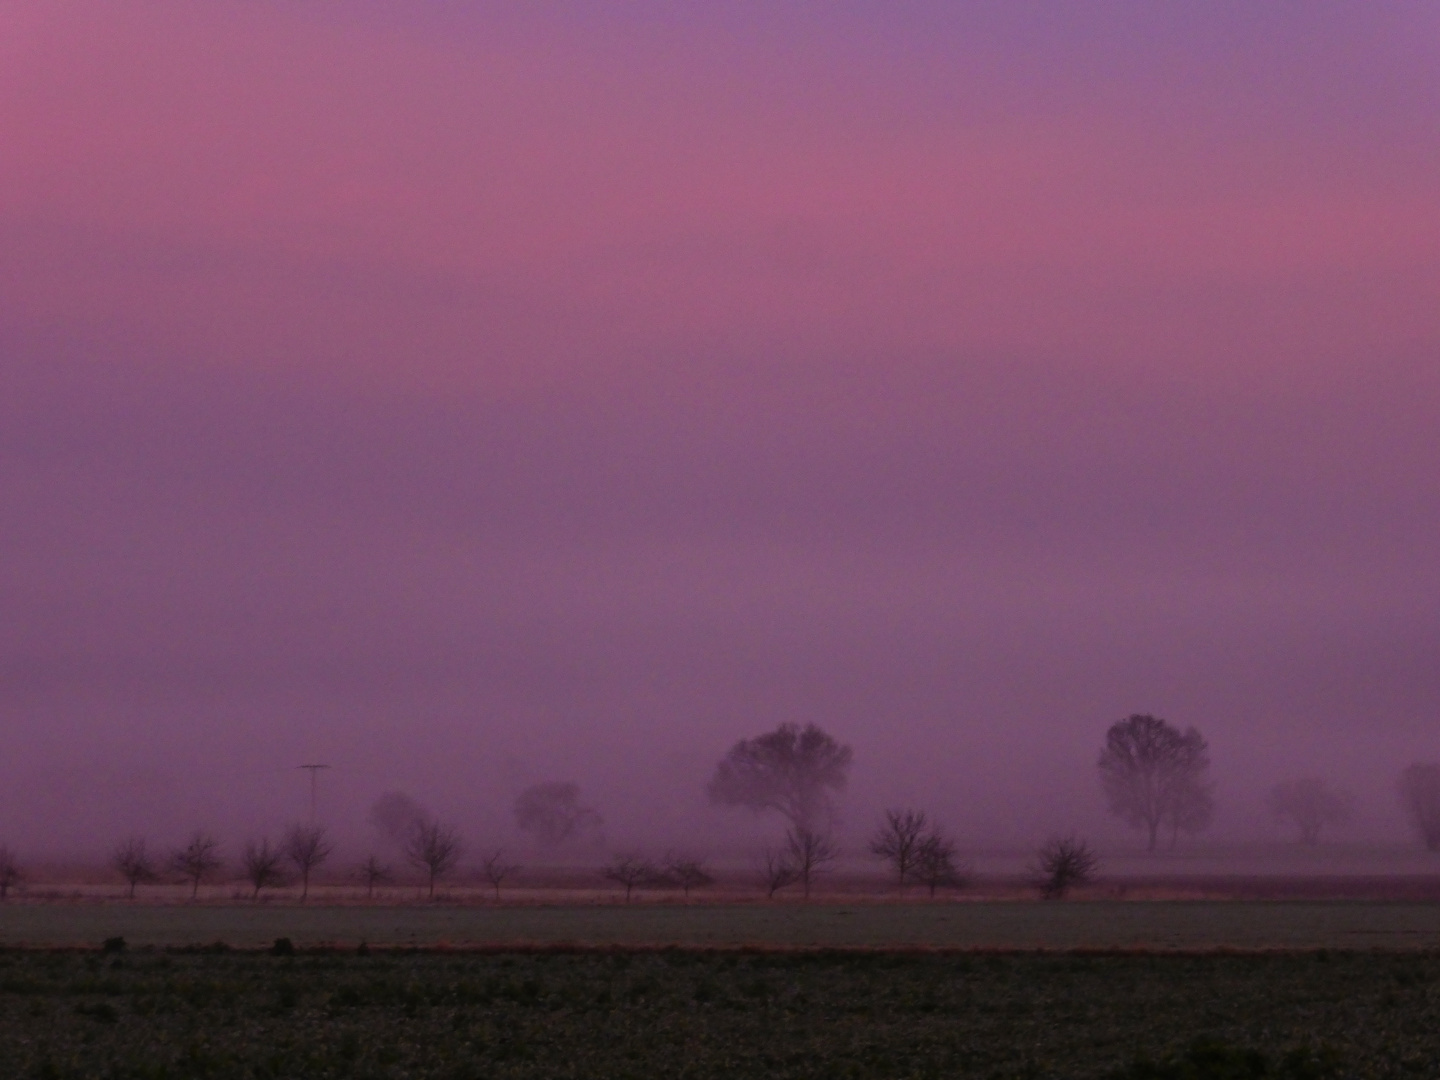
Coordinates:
(467, 399)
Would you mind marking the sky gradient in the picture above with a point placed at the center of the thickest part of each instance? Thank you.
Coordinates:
(475, 394)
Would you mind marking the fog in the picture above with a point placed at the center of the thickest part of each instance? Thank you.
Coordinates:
(210, 580)
(472, 402)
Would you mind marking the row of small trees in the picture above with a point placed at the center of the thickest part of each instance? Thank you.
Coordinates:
(432, 847)
(796, 773)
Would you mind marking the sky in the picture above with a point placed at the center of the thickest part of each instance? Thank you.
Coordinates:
(472, 394)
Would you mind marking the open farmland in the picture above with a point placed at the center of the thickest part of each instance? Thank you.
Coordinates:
(957, 925)
(213, 1013)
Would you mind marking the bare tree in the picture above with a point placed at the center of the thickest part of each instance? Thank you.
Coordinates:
(131, 859)
(776, 872)
(1310, 804)
(496, 870)
(553, 814)
(1420, 796)
(686, 873)
(936, 864)
(434, 848)
(809, 853)
(790, 770)
(1064, 863)
(307, 847)
(261, 864)
(197, 860)
(373, 872)
(897, 840)
(10, 874)
(395, 816)
(1154, 774)
(629, 870)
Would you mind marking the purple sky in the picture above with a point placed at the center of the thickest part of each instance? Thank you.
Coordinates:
(474, 394)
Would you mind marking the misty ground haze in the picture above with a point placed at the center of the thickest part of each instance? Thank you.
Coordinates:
(609, 390)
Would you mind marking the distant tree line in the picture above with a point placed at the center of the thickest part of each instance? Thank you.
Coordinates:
(1155, 778)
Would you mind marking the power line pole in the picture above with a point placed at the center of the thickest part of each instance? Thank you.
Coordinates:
(314, 779)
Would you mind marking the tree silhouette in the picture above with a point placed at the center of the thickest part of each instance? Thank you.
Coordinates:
(629, 870)
(131, 859)
(261, 864)
(307, 847)
(1420, 797)
(552, 813)
(395, 815)
(790, 770)
(496, 870)
(936, 864)
(685, 872)
(1155, 774)
(1310, 804)
(434, 848)
(373, 872)
(197, 860)
(897, 841)
(1063, 863)
(776, 871)
(10, 874)
(808, 852)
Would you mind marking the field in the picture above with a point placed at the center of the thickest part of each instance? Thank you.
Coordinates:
(678, 1013)
(946, 925)
(1123, 990)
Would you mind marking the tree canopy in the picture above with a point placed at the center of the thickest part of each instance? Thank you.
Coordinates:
(552, 813)
(1155, 774)
(792, 770)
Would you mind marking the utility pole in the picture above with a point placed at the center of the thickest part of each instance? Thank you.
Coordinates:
(314, 778)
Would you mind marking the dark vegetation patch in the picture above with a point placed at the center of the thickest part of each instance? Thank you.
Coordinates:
(204, 1013)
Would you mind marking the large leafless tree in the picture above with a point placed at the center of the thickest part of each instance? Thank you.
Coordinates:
(1310, 804)
(1156, 775)
(1420, 798)
(794, 771)
(197, 860)
(306, 846)
(553, 814)
(132, 861)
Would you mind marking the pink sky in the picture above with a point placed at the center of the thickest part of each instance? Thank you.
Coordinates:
(475, 392)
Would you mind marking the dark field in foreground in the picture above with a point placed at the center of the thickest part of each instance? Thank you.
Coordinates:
(678, 1013)
(966, 924)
